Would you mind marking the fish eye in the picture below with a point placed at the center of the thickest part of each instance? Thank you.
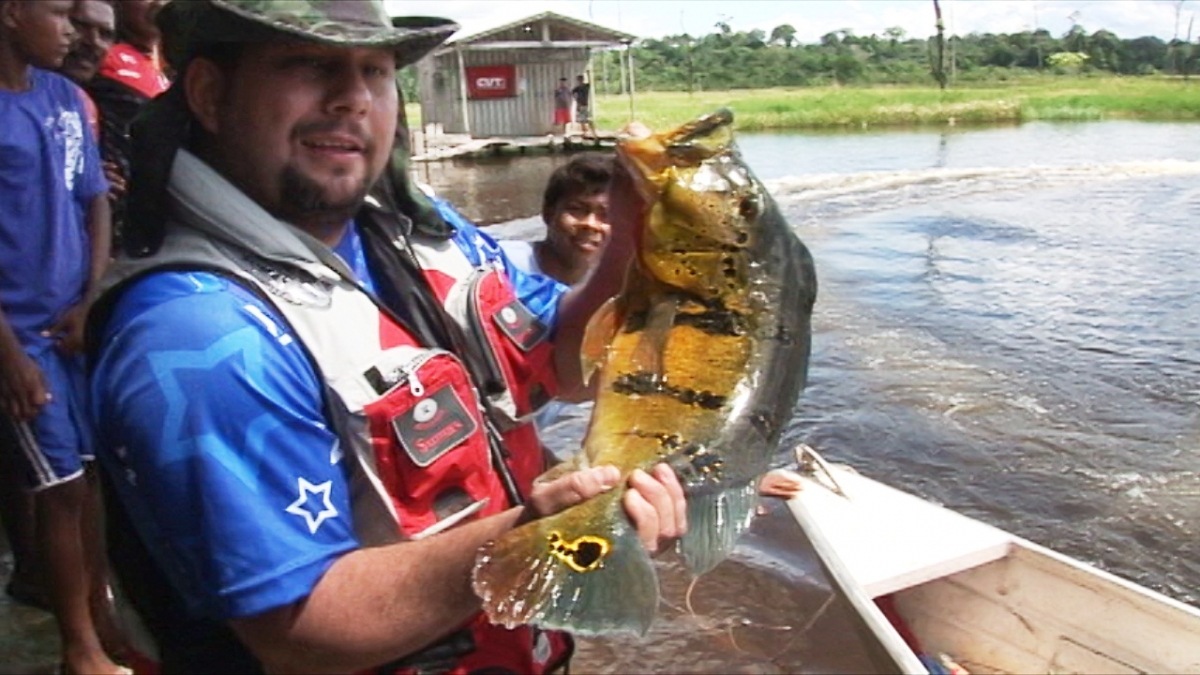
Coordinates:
(750, 208)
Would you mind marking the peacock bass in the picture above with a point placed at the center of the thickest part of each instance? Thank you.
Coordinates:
(701, 360)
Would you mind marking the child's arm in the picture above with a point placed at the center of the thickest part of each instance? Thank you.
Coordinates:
(68, 331)
(99, 225)
(22, 386)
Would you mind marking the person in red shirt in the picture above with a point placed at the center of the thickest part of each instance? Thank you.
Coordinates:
(130, 75)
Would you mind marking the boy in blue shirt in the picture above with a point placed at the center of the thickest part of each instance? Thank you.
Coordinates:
(54, 244)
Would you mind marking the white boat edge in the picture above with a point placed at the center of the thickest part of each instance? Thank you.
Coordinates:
(989, 600)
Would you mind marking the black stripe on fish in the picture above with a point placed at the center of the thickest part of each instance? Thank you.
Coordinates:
(695, 463)
(715, 320)
(650, 384)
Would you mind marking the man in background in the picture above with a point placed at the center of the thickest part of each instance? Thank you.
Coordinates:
(95, 26)
(95, 23)
(562, 107)
(582, 93)
(131, 74)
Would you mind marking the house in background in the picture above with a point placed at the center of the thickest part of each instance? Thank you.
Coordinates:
(501, 82)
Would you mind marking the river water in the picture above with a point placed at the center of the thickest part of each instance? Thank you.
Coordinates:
(1008, 324)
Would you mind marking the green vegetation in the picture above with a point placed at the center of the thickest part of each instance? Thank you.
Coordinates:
(1030, 98)
(730, 59)
(849, 81)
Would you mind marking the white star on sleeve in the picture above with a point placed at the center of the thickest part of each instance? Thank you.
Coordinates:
(313, 512)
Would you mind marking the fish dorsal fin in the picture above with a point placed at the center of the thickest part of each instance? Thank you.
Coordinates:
(599, 334)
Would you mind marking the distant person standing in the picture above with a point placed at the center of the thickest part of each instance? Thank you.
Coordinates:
(582, 93)
(129, 76)
(562, 107)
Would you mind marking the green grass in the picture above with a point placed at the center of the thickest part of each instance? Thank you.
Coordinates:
(1049, 98)
(1024, 99)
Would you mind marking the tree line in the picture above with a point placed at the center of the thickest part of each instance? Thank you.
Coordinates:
(732, 59)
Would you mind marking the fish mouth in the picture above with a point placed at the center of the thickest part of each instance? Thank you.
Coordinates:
(701, 128)
(651, 160)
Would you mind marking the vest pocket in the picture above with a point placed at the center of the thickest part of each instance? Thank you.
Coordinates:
(428, 436)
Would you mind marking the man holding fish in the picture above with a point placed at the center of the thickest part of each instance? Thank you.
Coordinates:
(312, 384)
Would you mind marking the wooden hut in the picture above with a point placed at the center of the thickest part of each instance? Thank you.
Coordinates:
(501, 82)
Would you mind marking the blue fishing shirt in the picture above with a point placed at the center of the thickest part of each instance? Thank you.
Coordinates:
(212, 426)
(49, 172)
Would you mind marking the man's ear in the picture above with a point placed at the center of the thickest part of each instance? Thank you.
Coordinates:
(204, 87)
(9, 11)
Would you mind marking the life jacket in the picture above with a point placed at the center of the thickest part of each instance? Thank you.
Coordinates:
(429, 444)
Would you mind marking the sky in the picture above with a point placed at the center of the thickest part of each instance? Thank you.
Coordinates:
(813, 18)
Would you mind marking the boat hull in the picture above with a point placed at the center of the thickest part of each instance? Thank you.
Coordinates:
(991, 601)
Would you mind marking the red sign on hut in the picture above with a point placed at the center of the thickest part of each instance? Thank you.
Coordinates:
(491, 81)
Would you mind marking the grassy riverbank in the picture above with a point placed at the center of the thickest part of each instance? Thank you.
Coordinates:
(1043, 98)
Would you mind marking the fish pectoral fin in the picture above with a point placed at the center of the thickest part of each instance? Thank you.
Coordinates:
(583, 570)
(715, 522)
(652, 343)
(601, 328)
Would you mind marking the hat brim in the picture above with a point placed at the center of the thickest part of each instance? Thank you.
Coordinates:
(194, 22)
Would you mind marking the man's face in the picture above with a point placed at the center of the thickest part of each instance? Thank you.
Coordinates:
(137, 19)
(41, 29)
(579, 225)
(95, 23)
(305, 129)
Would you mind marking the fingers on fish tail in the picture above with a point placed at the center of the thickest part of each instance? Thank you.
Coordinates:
(554, 574)
(715, 521)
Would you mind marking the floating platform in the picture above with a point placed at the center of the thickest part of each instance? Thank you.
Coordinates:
(437, 147)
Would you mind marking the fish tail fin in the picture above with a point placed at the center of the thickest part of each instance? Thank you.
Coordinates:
(715, 521)
(583, 570)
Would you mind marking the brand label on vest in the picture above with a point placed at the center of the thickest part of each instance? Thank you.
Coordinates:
(434, 426)
(520, 325)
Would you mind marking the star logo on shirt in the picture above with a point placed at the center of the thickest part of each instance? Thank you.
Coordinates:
(313, 511)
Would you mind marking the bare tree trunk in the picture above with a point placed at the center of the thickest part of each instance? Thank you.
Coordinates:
(938, 65)
(1187, 61)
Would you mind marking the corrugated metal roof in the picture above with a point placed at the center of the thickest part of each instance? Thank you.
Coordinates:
(562, 29)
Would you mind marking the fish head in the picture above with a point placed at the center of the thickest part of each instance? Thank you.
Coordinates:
(703, 205)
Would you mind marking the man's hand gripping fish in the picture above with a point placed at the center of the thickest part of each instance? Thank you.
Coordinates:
(701, 359)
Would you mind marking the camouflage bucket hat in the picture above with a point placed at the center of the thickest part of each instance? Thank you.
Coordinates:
(345, 23)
